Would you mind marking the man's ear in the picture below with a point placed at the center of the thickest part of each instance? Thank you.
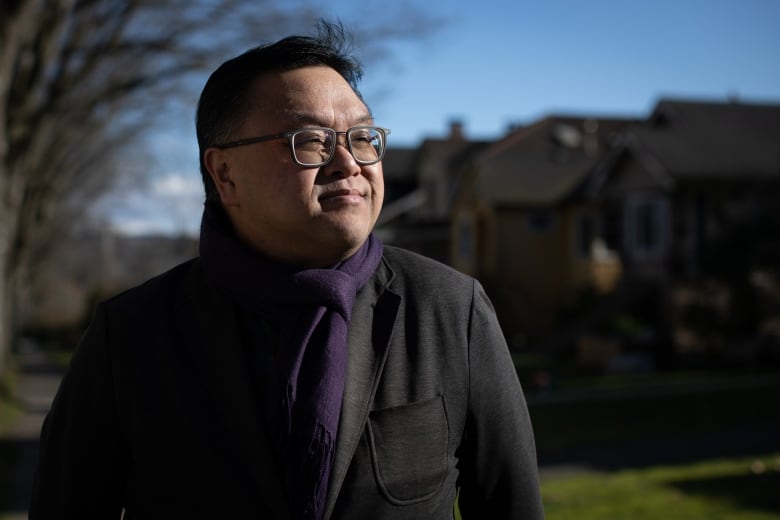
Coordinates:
(218, 164)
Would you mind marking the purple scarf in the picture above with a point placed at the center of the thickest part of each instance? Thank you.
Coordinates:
(313, 307)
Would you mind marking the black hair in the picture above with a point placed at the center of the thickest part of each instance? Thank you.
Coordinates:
(224, 100)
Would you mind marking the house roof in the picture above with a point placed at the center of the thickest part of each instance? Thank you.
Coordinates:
(545, 162)
(403, 163)
(450, 154)
(711, 140)
(398, 163)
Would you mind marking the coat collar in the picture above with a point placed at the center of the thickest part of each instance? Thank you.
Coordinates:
(373, 320)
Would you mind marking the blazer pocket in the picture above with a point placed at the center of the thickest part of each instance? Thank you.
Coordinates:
(409, 446)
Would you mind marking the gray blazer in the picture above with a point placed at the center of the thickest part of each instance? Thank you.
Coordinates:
(157, 414)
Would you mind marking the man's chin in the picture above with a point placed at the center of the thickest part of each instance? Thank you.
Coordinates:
(343, 241)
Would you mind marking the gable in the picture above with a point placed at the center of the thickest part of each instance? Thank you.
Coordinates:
(630, 173)
(544, 163)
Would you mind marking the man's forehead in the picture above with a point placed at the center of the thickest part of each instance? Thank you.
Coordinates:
(299, 117)
(319, 80)
(306, 101)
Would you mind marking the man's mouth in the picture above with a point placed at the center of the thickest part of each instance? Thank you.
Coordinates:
(344, 194)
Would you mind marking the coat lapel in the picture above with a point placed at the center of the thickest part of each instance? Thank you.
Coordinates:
(371, 327)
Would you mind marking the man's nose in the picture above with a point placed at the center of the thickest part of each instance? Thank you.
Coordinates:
(343, 162)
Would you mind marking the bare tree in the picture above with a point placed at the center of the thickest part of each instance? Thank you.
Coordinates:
(80, 78)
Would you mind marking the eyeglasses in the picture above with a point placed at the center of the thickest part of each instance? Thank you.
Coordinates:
(315, 146)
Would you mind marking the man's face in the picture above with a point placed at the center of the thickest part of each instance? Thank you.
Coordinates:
(312, 217)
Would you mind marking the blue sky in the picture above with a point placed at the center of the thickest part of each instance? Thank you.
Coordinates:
(513, 61)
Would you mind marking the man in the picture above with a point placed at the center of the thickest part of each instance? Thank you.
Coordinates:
(298, 368)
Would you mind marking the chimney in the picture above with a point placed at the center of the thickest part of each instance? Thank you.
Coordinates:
(456, 130)
(590, 141)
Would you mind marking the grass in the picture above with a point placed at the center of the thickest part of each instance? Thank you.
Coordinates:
(60, 358)
(730, 489)
(719, 489)
(8, 412)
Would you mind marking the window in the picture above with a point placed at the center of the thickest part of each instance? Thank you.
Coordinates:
(540, 221)
(647, 226)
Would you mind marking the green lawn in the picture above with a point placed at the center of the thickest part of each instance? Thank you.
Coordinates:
(8, 411)
(735, 489)
(714, 489)
(8, 414)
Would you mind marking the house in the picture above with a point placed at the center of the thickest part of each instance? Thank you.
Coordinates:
(690, 199)
(520, 226)
(676, 215)
(417, 217)
(687, 178)
(398, 167)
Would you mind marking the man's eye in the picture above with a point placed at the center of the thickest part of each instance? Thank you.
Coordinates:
(364, 137)
(311, 138)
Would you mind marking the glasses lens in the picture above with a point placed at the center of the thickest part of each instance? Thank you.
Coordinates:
(367, 143)
(313, 146)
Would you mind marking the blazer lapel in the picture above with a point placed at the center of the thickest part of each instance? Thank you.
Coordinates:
(371, 327)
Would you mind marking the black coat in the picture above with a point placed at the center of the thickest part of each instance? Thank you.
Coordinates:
(158, 415)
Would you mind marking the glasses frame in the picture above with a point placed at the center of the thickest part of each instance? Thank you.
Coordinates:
(290, 136)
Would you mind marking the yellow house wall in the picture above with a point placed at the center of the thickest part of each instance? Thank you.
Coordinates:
(538, 273)
(531, 266)
(530, 274)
